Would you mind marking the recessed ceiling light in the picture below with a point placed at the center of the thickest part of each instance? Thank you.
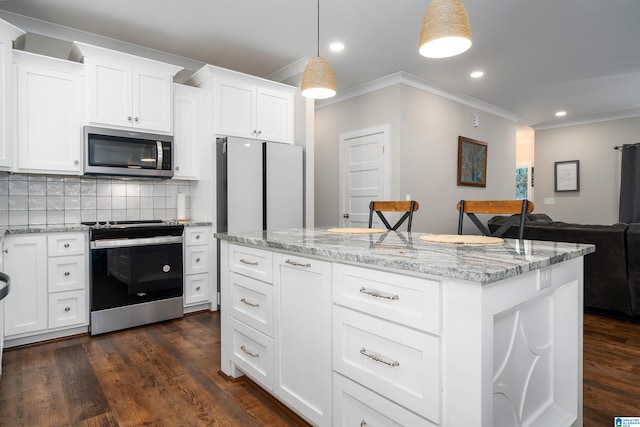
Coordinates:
(336, 46)
(477, 74)
(561, 113)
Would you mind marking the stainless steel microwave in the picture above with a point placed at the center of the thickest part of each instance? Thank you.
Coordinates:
(127, 153)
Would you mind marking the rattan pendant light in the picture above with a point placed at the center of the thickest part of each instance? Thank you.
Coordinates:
(445, 29)
(318, 81)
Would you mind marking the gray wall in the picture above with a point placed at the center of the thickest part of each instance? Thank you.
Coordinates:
(424, 152)
(597, 200)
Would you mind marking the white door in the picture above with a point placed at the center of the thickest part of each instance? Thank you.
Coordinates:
(363, 174)
(152, 96)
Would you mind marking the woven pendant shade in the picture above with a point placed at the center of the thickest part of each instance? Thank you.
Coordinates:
(318, 81)
(445, 29)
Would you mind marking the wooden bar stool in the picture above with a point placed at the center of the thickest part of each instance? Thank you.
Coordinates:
(406, 206)
(516, 208)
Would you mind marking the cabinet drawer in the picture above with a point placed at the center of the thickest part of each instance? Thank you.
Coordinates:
(196, 236)
(67, 309)
(66, 273)
(197, 288)
(399, 363)
(196, 259)
(66, 244)
(251, 262)
(252, 353)
(402, 299)
(252, 302)
(354, 405)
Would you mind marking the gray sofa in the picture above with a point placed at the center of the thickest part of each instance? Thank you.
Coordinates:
(611, 273)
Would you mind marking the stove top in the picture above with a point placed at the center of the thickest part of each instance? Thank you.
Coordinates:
(121, 224)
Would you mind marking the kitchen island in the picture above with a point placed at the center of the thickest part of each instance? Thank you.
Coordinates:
(387, 329)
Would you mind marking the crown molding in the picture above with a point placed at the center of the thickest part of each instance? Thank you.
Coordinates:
(402, 77)
(614, 115)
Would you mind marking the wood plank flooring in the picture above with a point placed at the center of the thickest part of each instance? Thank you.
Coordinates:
(167, 375)
(164, 374)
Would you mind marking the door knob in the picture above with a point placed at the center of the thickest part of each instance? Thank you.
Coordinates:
(345, 215)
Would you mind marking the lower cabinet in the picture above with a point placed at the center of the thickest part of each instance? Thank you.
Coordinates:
(197, 270)
(48, 283)
(302, 335)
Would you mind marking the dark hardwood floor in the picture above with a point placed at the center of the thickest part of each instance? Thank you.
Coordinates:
(167, 375)
(164, 374)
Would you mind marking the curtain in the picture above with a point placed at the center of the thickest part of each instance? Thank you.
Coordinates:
(630, 184)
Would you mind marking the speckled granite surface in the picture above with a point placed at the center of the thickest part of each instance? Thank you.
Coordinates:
(62, 228)
(405, 251)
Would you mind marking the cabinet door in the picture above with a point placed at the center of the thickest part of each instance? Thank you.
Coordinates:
(109, 98)
(197, 289)
(186, 130)
(152, 100)
(236, 109)
(49, 120)
(25, 261)
(302, 336)
(275, 115)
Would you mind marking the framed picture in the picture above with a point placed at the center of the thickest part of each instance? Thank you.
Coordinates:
(472, 162)
(567, 175)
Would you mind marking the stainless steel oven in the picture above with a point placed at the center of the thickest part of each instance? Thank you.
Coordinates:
(136, 274)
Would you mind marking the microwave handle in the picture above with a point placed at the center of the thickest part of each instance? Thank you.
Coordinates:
(159, 162)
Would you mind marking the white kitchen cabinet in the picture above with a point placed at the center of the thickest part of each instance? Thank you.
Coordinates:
(248, 106)
(251, 111)
(302, 335)
(49, 277)
(188, 121)
(197, 266)
(49, 114)
(8, 34)
(127, 91)
(25, 261)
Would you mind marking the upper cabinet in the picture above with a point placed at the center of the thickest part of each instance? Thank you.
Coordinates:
(8, 34)
(189, 129)
(247, 106)
(48, 108)
(127, 91)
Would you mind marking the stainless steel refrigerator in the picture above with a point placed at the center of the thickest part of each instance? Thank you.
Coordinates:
(259, 185)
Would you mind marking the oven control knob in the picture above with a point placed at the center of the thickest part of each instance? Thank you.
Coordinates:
(166, 268)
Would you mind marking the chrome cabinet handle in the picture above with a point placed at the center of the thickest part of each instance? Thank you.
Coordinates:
(6, 251)
(129, 118)
(177, 168)
(66, 245)
(136, 119)
(378, 358)
(67, 309)
(298, 264)
(66, 273)
(363, 423)
(198, 288)
(259, 132)
(197, 259)
(249, 303)
(377, 294)
(243, 348)
(244, 261)
(197, 236)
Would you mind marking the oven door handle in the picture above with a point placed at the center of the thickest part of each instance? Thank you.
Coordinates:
(125, 242)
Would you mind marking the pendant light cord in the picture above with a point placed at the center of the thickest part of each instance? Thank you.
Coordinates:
(318, 28)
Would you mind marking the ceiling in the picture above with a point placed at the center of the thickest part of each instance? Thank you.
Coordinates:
(539, 56)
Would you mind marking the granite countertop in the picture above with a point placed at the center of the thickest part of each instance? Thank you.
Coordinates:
(62, 228)
(405, 251)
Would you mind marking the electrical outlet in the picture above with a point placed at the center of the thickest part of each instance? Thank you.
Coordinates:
(549, 201)
(544, 278)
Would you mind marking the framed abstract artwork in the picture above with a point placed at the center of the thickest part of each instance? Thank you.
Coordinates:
(472, 162)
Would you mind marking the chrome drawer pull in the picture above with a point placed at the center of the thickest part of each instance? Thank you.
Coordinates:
(298, 264)
(249, 303)
(378, 294)
(243, 348)
(377, 358)
(244, 261)
(363, 423)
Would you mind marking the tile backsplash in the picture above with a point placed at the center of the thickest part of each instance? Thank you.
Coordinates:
(33, 200)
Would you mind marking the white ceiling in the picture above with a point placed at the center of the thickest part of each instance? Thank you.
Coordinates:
(539, 56)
